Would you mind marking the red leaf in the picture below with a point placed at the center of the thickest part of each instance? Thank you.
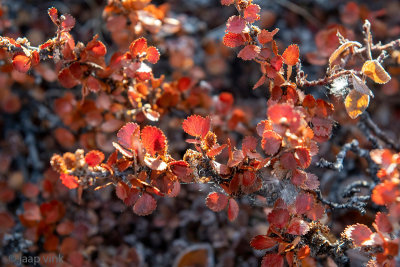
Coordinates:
(122, 190)
(181, 170)
(260, 82)
(261, 242)
(21, 63)
(138, 47)
(153, 140)
(382, 222)
(233, 39)
(69, 181)
(196, 125)
(233, 209)
(53, 13)
(279, 217)
(31, 212)
(304, 202)
(359, 233)
(67, 79)
(269, 260)
(184, 84)
(145, 205)
(235, 24)
(249, 146)
(288, 161)
(298, 177)
(276, 63)
(248, 178)
(385, 193)
(265, 36)
(128, 134)
(94, 158)
(303, 157)
(152, 55)
(67, 22)
(312, 182)
(291, 55)
(298, 227)
(93, 84)
(271, 142)
(303, 252)
(216, 201)
(227, 2)
(133, 196)
(316, 212)
(249, 52)
(251, 13)
(263, 126)
(216, 150)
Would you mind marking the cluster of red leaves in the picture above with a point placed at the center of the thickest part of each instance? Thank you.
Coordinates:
(382, 244)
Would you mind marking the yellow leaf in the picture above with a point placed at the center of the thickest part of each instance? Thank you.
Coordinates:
(374, 70)
(356, 103)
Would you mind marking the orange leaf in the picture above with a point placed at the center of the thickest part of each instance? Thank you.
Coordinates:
(53, 13)
(96, 48)
(138, 47)
(291, 55)
(21, 63)
(374, 70)
(69, 181)
(265, 36)
(94, 158)
(196, 125)
(385, 193)
(152, 55)
(251, 13)
(356, 103)
(153, 140)
(216, 201)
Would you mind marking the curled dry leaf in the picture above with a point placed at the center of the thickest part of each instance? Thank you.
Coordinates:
(374, 70)
(360, 86)
(341, 49)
